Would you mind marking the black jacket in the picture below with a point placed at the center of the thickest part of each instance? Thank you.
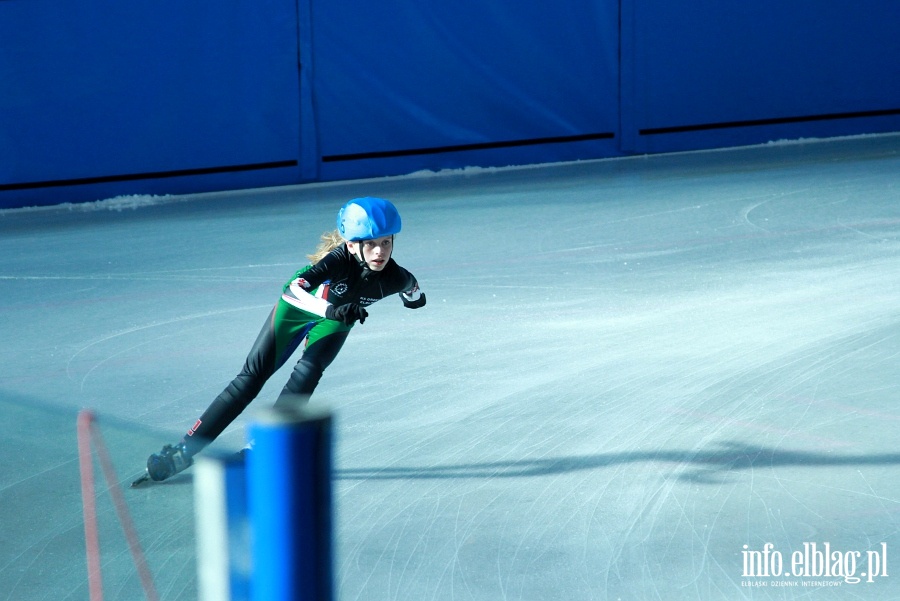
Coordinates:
(349, 281)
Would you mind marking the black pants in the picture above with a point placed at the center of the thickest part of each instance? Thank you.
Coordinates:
(277, 340)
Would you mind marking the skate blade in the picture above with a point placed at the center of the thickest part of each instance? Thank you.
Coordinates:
(144, 478)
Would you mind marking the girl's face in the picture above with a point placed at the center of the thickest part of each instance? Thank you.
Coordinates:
(374, 252)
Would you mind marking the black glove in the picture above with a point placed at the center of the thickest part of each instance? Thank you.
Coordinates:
(346, 314)
(413, 304)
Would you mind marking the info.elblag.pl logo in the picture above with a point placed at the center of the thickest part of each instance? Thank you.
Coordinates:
(812, 560)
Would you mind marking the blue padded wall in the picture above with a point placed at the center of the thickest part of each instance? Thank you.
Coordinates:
(102, 97)
(714, 73)
(400, 86)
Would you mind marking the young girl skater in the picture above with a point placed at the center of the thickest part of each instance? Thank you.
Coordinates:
(351, 269)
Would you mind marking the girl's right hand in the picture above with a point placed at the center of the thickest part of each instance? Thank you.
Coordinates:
(347, 314)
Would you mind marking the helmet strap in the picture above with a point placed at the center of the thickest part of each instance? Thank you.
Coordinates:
(360, 255)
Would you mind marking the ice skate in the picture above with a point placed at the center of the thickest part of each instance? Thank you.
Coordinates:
(165, 464)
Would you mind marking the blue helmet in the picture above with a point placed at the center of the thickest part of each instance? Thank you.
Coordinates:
(368, 218)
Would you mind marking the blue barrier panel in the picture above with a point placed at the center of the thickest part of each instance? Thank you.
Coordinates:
(402, 86)
(289, 483)
(104, 98)
(97, 95)
(707, 73)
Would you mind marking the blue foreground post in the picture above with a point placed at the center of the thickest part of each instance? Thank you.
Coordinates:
(289, 494)
(223, 527)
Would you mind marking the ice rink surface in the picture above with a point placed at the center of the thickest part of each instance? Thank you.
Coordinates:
(631, 375)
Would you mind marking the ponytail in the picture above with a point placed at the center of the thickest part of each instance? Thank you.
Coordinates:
(327, 243)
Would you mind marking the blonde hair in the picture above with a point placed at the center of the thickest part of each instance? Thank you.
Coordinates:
(327, 243)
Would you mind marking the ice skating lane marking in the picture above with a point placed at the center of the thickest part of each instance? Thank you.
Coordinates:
(140, 328)
(162, 276)
(196, 273)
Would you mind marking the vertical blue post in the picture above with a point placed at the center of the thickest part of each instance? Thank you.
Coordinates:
(223, 527)
(289, 486)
